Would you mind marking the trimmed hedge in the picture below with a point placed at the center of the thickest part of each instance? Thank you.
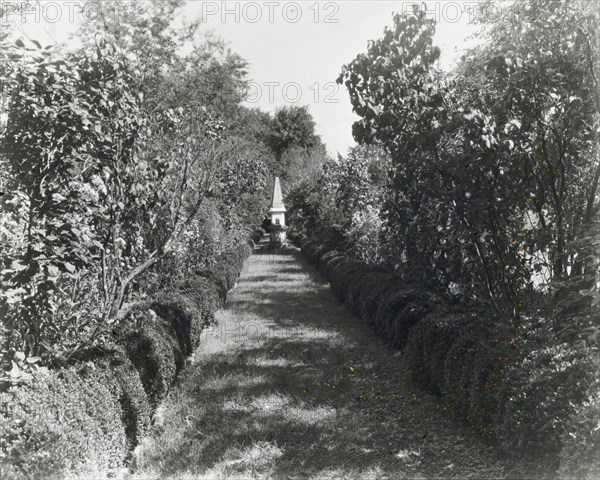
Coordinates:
(62, 422)
(536, 401)
(86, 418)
(258, 234)
(150, 342)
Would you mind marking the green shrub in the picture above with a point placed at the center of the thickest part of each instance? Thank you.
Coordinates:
(544, 392)
(297, 239)
(580, 454)
(111, 367)
(182, 313)
(325, 260)
(370, 298)
(450, 353)
(458, 372)
(359, 281)
(314, 250)
(61, 422)
(398, 310)
(206, 298)
(329, 261)
(87, 418)
(341, 276)
(136, 412)
(488, 378)
(150, 342)
(228, 266)
(533, 399)
(258, 235)
(418, 346)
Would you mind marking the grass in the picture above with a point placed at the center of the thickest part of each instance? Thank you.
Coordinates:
(289, 385)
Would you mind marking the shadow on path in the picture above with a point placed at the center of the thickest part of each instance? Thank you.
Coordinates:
(289, 384)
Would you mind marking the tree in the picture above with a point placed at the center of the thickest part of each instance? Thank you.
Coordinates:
(107, 190)
(448, 200)
(552, 95)
(292, 126)
(494, 177)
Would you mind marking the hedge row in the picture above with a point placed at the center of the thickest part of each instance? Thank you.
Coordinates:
(537, 401)
(85, 419)
(258, 235)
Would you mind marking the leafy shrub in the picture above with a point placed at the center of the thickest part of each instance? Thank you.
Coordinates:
(206, 298)
(227, 268)
(580, 454)
(427, 346)
(544, 391)
(398, 311)
(371, 297)
(328, 262)
(358, 281)
(110, 366)
(151, 344)
(313, 250)
(487, 378)
(458, 371)
(182, 313)
(62, 422)
(86, 418)
(159, 334)
(136, 412)
(258, 235)
(325, 259)
(232, 263)
(503, 380)
(341, 276)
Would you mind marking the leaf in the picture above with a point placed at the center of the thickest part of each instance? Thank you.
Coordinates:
(53, 270)
(18, 266)
(37, 44)
(19, 43)
(70, 267)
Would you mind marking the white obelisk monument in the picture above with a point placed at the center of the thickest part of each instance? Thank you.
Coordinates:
(278, 227)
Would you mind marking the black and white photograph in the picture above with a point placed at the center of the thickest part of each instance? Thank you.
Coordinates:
(312, 239)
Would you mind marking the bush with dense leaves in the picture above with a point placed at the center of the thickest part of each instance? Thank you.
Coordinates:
(549, 399)
(151, 343)
(497, 377)
(64, 421)
(258, 234)
(85, 419)
(580, 455)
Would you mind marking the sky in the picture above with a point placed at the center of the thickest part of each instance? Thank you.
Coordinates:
(295, 50)
(296, 55)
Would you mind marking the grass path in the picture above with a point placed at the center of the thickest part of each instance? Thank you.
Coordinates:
(290, 385)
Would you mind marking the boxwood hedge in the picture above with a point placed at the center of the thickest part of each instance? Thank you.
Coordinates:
(535, 400)
(85, 418)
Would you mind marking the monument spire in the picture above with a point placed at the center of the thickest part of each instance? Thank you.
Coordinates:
(278, 227)
(277, 196)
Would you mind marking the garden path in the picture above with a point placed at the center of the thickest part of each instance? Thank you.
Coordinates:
(289, 384)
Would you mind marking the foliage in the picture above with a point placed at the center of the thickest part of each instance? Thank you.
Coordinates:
(515, 383)
(108, 174)
(494, 182)
(61, 422)
(343, 204)
(291, 126)
(581, 438)
(85, 419)
(546, 390)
